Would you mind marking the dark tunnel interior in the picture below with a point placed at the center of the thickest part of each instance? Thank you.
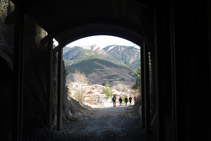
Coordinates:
(175, 35)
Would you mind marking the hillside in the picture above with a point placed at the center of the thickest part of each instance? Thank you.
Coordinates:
(75, 55)
(113, 63)
(98, 71)
(125, 55)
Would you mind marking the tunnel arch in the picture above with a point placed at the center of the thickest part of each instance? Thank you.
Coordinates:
(86, 30)
(128, 14)
(143, 36)
(110, 33)
(139, 37)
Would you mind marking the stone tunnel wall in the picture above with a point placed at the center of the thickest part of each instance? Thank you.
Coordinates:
(35, 76)
(36, 71)
(6, 71)
(6, 30)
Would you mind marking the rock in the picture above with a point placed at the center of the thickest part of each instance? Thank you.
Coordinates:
(70, 113)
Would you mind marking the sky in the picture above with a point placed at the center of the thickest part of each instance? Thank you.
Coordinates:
(102, 41)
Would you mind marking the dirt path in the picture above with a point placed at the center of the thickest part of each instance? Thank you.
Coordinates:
(106, 124)
(112, 123)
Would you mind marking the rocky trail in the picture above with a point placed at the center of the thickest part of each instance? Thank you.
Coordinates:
(106, 124)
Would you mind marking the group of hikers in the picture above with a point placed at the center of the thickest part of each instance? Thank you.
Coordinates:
(120, 100)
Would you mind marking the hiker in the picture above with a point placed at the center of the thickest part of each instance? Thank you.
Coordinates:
(130, 99)
(114, 100)
(120, 101)
(126, 100)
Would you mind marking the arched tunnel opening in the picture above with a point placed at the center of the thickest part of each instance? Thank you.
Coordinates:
(99, 69)
(70, 108)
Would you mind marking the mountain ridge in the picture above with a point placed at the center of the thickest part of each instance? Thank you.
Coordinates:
(112, 64)
(126, 55)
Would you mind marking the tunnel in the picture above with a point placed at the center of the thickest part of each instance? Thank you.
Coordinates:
(174, 37)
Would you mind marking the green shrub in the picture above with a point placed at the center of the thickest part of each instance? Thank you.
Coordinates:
(108, 91)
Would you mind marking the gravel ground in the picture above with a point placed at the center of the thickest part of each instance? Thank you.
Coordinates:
(102, 124)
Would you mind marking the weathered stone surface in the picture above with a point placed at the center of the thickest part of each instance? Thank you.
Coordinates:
(6, 73)
(6, 36)
(4, 5)
(34, 76)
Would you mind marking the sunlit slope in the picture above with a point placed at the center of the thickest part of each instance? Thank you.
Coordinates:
(98, 71)
(124, 55)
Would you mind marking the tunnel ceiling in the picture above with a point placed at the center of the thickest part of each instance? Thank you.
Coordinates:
(59, 17)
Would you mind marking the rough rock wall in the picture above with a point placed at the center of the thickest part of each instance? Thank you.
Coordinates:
(6, 30)
(35, 76)
(35, 70)
(6, 71)
(66, 104)
(36, 81)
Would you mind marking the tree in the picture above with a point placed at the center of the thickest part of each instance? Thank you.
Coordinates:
(79, 77)
(137, 85)
(108, 91)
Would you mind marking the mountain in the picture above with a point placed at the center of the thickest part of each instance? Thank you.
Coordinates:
(98, 71)
(112, 63)
(125, 55)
